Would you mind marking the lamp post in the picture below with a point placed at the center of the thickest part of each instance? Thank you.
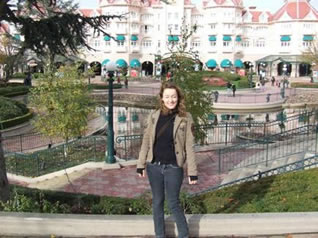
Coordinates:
(284, 80)
(250, 77)
(111, 67)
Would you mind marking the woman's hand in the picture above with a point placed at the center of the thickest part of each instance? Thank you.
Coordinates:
(192, 181)
(142, 174)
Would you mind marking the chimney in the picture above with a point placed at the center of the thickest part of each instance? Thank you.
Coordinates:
(252, 7)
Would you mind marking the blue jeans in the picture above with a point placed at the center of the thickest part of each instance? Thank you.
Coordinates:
(166, 178)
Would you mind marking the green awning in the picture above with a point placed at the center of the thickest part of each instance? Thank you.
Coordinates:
(120, 38)
(285, 38)
(212, 38)
(135, 63)
(226, 63)
(238, 38)
(308, 38)
(173, 38)
(134, 38)
(227, 38)
(105, 62)
(238, 63)
(211, 63)
(121, 63)
(106, 38)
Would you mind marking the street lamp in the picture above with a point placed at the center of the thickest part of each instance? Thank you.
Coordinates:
(111, 67)
(250, 77)
(284, 80)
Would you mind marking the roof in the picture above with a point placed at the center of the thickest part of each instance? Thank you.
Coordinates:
(295, 9)
(283, 58)
(86, 12)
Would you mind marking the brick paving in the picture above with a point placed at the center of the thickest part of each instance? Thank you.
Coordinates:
(124, 182)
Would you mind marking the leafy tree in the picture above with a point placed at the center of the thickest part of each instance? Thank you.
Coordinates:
(310, 55)
(59, 34)
(181, 63)
(62, 102)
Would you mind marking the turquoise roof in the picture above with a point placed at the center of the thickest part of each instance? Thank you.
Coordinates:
(285, 38)
(308, 38)
(226, 63)
(212, 38)
(238, 63)
(120, 38)
(121, 63)
(105, 61)
(106, 38)
(134, 38)
(227, 38)
(211, 63)
(170, 38)
(135, 63)
(173, 38)
(238, 38)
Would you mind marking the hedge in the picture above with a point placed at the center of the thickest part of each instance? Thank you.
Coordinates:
(12, 91)
(304, 85)
(15, 121)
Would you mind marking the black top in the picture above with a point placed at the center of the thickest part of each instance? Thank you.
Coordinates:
(163, 150)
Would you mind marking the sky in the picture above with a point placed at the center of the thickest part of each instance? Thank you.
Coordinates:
(270, 5)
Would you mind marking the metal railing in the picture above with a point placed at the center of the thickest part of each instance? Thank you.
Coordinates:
(307, 163)
(57, 158)
(256, 97)
(263, 150)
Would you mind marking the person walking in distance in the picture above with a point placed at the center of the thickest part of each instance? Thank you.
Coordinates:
(167, 146)
(233, 89)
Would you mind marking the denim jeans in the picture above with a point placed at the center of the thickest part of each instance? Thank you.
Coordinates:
(166, 178)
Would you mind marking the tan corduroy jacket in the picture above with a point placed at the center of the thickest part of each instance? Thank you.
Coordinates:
(183, 139)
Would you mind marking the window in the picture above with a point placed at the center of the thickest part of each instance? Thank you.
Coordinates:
(176, 27)
(133, 43)
(146, 44)
(213, 26)
(107, 43)
(120, 43)
(96, 43)
(245, 43)
(213, 43)
(169, 15)
(195, 44)
(284, 43)
(307, 43)
(260, 43)
(158, 27)
(159, 43)
(176, 15)
(226, 43)
(146, 29)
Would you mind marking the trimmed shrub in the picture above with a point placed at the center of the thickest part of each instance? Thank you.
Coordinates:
(304, 85)
(12, 91)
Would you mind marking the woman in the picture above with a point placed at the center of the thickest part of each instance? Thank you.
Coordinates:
(166, 147)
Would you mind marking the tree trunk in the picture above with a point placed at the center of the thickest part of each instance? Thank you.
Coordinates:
(4, 184)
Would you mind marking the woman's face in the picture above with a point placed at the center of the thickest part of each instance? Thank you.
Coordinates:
(170, 98)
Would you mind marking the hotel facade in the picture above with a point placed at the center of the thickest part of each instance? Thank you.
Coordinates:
(228, 35)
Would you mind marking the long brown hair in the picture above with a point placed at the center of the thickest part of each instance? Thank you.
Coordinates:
(180, 108)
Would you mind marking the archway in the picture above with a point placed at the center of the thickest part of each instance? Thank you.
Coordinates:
(147, 68)
(304, 69)
(97, 67)
(284, 68)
